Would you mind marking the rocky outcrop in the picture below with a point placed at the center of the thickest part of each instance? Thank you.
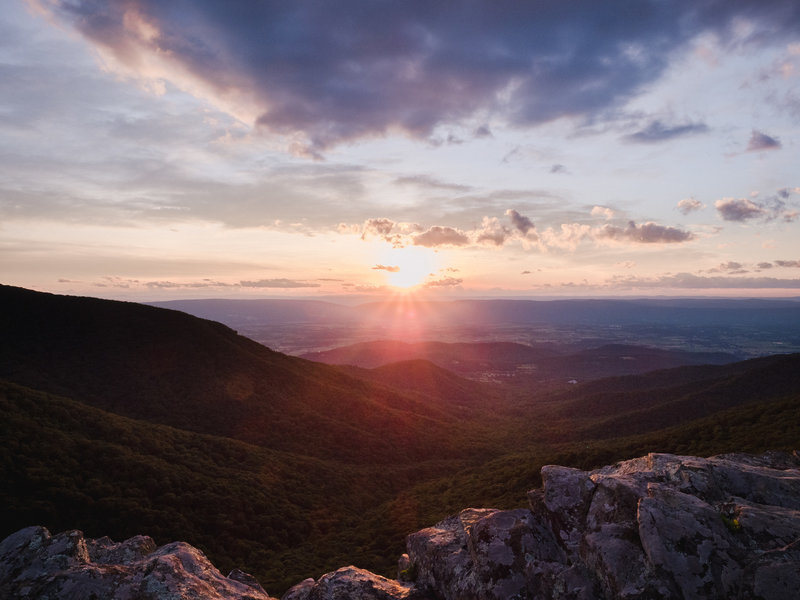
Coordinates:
(351, 583)
(68, 566)
(660, 526)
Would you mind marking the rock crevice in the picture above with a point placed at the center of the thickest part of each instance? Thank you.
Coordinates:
(656, 527)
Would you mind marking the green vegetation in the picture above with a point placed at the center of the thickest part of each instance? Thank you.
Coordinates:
(120, 419)
(66, 465)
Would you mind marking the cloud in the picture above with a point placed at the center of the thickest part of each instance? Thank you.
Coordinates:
(739, 209)
(690, 281)
(483, 131)
(520, 222)
(557, 168)
(205, 283)
(648, 233)
(766, 209)
(656, 132)
(396, 234)
(688, 205)
(602, 211)
(381, 227)
(788, 263)
(444, 282)
(566, 236)
(426, 181)
(492, 232)
(324, 73)
(389, 268)
(278, 283)
(731, 267)
(761, 141)
(441, 236)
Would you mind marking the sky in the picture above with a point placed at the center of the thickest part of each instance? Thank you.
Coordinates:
(194, 148)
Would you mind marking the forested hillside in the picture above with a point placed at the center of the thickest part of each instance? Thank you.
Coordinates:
(117, 419)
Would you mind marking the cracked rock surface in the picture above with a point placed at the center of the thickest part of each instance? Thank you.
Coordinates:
(67, 566)
(659, 526)
(656, 527)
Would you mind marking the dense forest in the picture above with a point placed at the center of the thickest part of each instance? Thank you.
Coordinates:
(119, 419)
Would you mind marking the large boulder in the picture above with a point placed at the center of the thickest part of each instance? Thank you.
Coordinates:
(351, 583)
(659, 526)
(67, 566)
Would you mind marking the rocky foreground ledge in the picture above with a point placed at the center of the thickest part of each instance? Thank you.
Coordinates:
(660, 526)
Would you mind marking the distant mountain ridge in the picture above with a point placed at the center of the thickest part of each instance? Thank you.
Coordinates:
(743, 327)
(525, 363)
(684, 311)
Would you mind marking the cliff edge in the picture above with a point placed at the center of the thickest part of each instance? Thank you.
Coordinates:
(659, 526)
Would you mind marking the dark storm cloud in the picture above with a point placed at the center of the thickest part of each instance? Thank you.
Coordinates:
(761, 141)
(648, 233)
(336, 71)
(657, 131)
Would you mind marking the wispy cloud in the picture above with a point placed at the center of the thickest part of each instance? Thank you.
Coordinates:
(657, 131)
(689, 205)
(431, 183)
(761, 141)
(278, 283)
(696, 282)
(444, 282)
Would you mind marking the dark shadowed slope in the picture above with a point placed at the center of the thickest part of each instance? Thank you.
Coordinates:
(616, 407)
(168, 367)
(462, 397)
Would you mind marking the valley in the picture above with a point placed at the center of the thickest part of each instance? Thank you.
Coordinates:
(119, 418)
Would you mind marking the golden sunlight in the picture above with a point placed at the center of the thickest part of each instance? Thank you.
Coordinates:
(408, 267)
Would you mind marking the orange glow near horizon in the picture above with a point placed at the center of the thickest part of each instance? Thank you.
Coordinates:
(410, 266)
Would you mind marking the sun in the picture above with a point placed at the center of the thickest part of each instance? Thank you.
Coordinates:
(408, 267)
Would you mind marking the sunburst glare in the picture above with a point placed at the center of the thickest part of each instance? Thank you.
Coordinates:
(408, 267)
